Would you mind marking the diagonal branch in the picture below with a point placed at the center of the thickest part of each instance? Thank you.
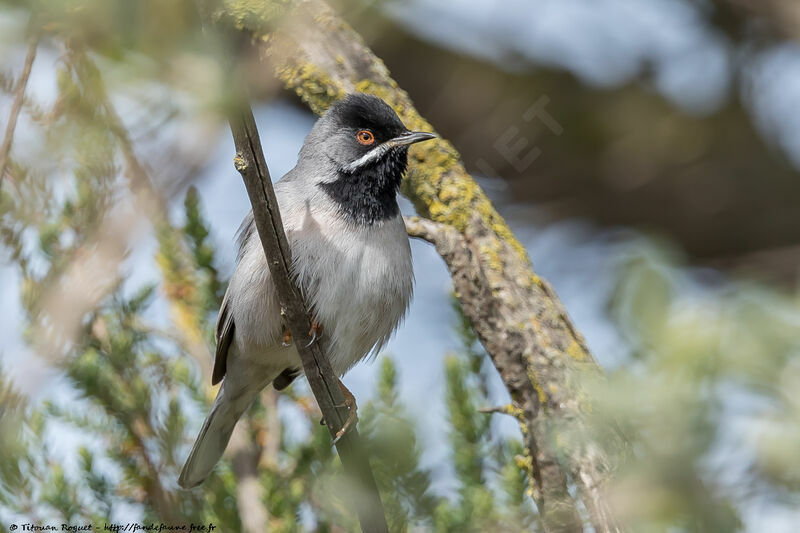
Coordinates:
(250, 163)
(16, 107)
(249, 491)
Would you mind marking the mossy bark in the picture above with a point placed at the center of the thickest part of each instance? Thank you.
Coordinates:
(540, 355)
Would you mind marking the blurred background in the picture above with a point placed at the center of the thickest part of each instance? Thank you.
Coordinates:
(646, 152)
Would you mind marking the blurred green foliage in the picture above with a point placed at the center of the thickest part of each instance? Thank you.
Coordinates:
(708, 396)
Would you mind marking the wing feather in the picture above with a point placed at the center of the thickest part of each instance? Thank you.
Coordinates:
(224, 337)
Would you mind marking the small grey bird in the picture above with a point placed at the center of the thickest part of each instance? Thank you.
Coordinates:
(350, 255)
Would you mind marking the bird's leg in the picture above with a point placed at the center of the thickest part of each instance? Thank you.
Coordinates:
(349, 400)
(315, 332)
(352, 416)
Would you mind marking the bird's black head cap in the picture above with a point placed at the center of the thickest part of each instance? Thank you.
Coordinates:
(368, 145)
(363, 111)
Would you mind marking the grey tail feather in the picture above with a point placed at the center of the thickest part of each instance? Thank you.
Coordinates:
(212, 440)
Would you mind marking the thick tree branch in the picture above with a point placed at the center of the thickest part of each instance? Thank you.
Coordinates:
(485, 310)
(531, 341)
(250, 163)
(493, 315)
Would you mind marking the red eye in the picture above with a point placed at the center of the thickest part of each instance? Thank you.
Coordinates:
(365, 137)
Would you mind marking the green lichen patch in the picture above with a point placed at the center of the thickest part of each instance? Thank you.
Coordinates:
(539, 390)
(576, 351)
(316, 88)
(255, 16)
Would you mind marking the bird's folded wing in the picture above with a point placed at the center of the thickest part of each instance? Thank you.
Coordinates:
(224, 337)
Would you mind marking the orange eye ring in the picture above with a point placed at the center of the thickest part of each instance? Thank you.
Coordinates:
(365, 137)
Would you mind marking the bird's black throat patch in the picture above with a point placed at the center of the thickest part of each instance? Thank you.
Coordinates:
(368, 194)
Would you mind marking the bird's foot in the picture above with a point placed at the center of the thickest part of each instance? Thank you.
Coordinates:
(315, 332)
(352, 416)
(287, 338)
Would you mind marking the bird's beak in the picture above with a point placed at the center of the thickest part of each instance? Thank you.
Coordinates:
(411, 137)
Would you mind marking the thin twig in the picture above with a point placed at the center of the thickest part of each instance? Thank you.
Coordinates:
(16, 107)
(244, 453)
(249, 492)
(509, 410)
(252, 166)
(161, 500)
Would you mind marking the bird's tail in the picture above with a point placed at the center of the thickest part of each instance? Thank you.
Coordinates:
(215, 434)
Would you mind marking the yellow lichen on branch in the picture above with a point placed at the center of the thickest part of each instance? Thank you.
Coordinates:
(253, 15)
(317, 90)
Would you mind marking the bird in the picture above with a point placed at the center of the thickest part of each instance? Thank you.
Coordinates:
(350, 257)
